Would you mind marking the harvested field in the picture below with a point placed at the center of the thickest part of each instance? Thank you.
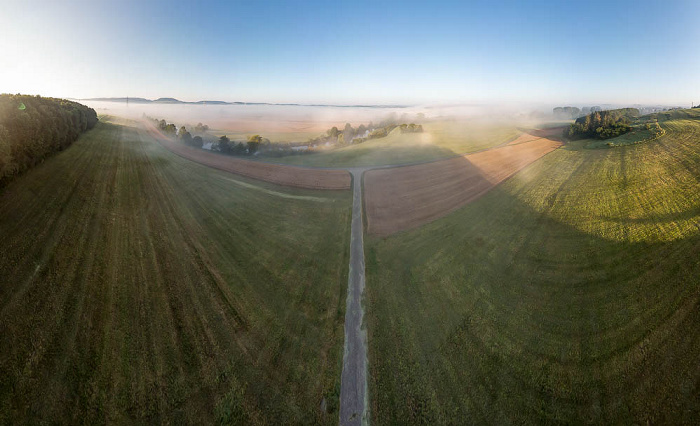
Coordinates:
(283, 175)
(406, 197)
(138, 287)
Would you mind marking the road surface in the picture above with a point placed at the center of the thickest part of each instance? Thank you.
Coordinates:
(353, 382)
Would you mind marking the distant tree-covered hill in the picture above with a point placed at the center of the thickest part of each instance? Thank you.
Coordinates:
(603, 124)
(32, 128)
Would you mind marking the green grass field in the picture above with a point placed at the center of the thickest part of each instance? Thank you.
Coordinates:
(439, 140)
(569, 294)
(139, 287)
(638, 135)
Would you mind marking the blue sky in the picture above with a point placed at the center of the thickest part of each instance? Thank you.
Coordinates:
(356, 51)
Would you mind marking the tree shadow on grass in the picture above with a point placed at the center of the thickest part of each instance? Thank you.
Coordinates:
(499, 313)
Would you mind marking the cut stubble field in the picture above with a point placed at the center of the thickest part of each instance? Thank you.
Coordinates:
(142, 287)
(402, 198)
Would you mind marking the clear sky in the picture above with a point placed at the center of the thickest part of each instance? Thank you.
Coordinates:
(354, 51)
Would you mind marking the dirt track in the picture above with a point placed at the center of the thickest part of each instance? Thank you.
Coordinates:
(401, 198)
(282, 175)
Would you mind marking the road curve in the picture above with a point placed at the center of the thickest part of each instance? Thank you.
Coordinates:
(353, 382)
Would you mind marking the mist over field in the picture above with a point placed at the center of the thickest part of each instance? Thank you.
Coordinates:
(349, 212)
(303, 121)
(253, 117)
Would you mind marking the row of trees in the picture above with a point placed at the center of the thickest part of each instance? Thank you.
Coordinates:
(603, 124)
(252, 146)
(32, 128)
(224, 144)
(186, 137)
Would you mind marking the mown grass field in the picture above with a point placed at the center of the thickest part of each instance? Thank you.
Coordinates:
(439, 140)
(569, 294)
(139, 287)
(639, 133)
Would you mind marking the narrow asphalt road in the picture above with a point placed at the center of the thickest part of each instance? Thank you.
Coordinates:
(353, 382)
(354, 397)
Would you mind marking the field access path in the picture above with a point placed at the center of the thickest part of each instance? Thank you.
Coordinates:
(353, 383)
(400, 197)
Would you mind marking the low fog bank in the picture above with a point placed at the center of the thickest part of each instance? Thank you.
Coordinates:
(254, 118)
(301, 122)
(257, 118)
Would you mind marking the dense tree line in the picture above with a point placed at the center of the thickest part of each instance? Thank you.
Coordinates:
(603, 124)
(32, 128)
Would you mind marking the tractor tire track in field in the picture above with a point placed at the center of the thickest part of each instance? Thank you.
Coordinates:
(122, 312)
(128, 297)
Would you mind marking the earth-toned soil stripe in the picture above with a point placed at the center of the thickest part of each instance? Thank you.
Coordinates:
(281, 175)
(406, 197)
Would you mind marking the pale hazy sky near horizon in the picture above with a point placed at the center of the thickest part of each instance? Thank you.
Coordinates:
(350, 52)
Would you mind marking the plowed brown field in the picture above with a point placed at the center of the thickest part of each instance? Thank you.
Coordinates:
(281, 175)
(406, 197)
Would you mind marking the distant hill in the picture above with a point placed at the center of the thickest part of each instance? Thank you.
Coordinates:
(176, 101)
(158, 101)
(134, 100)
(168, 101)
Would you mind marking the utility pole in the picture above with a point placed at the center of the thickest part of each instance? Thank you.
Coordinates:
(127, 101)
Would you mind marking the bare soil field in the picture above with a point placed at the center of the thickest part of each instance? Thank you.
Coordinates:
(406, 197)
(281, 175)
